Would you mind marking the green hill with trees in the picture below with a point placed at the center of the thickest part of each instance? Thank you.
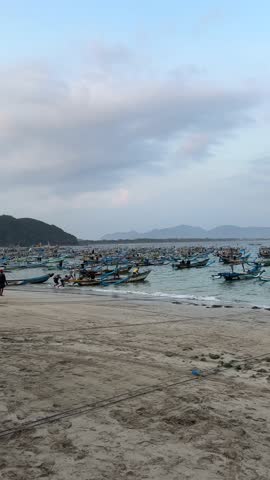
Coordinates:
(27, 232)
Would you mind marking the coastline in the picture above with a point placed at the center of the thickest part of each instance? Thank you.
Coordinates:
(157, 419)
(135, 296)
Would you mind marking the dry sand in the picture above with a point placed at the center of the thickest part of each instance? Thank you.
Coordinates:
(59, 352)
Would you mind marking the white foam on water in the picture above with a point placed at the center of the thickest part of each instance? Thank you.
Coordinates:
(261, 306)
(160, 295)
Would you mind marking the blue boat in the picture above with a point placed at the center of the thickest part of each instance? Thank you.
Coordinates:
(191, 263)
(254, 272)
(33, 280)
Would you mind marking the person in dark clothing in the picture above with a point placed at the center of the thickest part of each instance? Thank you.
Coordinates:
(116, 274)
(56, 280)
(3, 282)
(83, 272)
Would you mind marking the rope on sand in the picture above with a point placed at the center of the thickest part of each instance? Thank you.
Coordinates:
(75, 411)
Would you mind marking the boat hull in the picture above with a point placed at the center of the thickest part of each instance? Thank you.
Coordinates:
(234, 277)
(200, 264)
(141, 277)
(33, 280)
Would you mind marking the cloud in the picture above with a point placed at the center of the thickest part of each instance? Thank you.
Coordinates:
(257, 175)
(261, 166)
(105, 58)
(195, 145)
(89, 133)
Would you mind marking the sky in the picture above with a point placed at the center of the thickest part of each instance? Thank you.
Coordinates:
(126, 115)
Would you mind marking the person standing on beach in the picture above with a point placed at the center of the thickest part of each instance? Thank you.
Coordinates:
(3, 282)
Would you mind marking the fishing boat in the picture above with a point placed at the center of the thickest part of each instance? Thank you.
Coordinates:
(111, 280)
(121, 270)
(139, 277)
(236, 261)
(235, 276)
(84, 282)
(190, 264)
(264, 252)
(33, 280)
(233, 255)
(100, 271)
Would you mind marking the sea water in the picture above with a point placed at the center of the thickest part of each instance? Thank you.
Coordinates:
(187, 286)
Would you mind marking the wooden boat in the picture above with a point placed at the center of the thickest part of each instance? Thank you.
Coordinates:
(264, 252)
(84, 282)
(235, 276)
(133, 278)
(33, 280)
(231, 255)
(234, 261)
(121, 271)
(140, 277)
(13, 283)
(190, 264)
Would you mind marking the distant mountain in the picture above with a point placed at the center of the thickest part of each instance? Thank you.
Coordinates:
(181, 231)
(232, 231)
(132, 235)
(27, 232)
(187, 231)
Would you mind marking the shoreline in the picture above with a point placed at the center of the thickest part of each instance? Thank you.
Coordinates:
(192, 300)
(128, 389)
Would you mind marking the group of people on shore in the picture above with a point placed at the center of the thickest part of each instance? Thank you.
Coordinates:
(60, 281)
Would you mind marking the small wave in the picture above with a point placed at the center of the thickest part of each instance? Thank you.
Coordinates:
(266, 307)
(160, 295)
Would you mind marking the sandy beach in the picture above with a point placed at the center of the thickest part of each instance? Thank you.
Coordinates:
(110, 382)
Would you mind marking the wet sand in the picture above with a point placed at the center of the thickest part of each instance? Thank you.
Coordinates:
(128, 366)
